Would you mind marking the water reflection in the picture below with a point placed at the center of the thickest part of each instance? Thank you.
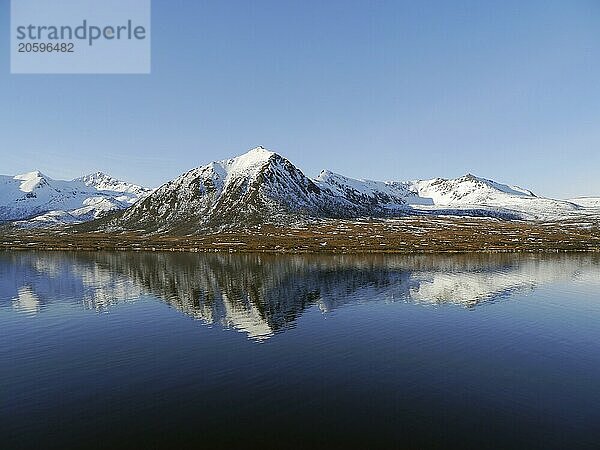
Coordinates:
(264, 294)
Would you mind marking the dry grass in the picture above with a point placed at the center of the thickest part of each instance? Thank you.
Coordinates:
(408, 235)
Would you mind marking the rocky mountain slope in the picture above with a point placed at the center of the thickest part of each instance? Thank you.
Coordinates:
(36, 199)
(255, 188)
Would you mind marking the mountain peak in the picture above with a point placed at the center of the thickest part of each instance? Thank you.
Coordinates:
(257, 153)
(31, 181)
(247, 163)
(103, 182)
(325, 173)
(30, 175)
(94, 176)
(100, 175)
(505, 188)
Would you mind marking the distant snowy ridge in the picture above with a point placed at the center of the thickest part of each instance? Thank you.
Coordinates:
(104, 182)
(35, 199)
(586, 202)
(461, 195)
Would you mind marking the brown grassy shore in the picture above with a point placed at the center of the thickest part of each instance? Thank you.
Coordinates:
(407, 235)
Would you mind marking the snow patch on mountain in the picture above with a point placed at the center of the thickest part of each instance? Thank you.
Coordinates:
(587, 202)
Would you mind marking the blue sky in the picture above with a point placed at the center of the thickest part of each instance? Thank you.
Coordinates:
(383, 90)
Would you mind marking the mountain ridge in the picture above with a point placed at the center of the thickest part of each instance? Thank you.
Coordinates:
(35, 199)
(262, 187)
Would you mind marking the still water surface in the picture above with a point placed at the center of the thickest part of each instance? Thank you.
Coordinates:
(151, 350)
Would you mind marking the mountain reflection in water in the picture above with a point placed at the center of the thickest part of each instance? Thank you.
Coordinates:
(261, 294)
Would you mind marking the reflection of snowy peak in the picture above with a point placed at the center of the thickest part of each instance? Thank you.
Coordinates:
(45, 201)
(262, 295)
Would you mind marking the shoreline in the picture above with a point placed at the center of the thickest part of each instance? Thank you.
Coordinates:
(303, 252)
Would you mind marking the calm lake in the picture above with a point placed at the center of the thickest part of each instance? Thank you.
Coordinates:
(160, 350)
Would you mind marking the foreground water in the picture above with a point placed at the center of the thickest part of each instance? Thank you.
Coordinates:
(147, 350)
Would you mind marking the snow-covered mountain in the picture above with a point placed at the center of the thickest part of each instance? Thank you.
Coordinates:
(103, 182)
(262, 187)
(36, 199)
(388, 195)
(461, 196)
(255, 188)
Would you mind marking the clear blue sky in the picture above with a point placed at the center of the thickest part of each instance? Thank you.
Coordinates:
(383, 90)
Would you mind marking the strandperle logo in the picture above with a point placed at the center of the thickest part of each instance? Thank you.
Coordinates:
(80, 36)
(83, 32)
